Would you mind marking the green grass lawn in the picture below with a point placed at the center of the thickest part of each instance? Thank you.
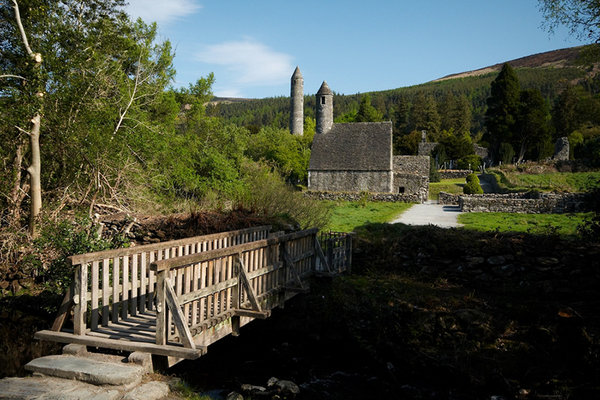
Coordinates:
(346, 216)
(553, 181)
(454, 186)
(562, 224)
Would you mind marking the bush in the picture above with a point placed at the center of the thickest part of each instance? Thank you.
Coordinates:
(472, 178)
(271, 196)
(472, 187)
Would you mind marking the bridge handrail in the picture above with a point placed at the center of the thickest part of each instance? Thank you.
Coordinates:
(242, 275)
(183, 261)
(121, 280)
(126, 251)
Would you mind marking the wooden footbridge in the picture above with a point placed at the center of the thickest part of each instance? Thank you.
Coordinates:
(174, 299)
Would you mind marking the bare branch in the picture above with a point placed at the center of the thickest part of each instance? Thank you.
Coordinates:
(21, 29)
(13, 76)
(23, 131)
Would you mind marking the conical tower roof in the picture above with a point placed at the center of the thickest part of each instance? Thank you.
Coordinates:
(324, 89)
(297, 73)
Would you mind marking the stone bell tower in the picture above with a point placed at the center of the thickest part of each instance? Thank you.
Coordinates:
(324, 111)
(297, 104)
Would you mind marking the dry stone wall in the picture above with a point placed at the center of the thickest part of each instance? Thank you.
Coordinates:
(527, 203)
(454, 173)
(347, 196)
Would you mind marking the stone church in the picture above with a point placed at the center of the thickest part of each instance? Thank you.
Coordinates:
(355, 157)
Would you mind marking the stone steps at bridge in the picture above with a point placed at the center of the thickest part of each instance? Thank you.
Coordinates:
(78, 374)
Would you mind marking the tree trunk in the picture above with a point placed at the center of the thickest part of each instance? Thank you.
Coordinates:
(16, 194)
(34, 171)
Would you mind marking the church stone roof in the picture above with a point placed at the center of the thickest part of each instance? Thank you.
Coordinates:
(324, 89)
(358, 146)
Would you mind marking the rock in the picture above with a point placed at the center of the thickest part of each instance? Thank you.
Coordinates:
(496, 260)
(282, 386)
(471, 316)
(87, 370)
(234, 396)
(149, 391)
(252, 388)
(53, 388)
(4, 285)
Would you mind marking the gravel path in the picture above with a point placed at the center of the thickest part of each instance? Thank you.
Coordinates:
(430, 213)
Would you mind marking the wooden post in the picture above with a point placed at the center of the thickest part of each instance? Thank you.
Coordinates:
(161, 308)
(349, 252)
(235, 296)
(330, 258)
(80, 300)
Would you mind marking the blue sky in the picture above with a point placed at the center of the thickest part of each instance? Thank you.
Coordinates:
(253, 46)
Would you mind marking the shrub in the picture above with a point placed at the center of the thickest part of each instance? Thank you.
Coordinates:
(472, 187)
(472, 178)
(271, 196)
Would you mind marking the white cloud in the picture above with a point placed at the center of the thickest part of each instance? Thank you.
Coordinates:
(161, 11)
(248, 63)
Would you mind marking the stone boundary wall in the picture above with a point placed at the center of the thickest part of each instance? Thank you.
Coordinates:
(454, 173)
(448, 199)
(346, 196)
(526, 203)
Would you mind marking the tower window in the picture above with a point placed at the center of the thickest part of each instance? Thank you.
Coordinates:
(323, 100)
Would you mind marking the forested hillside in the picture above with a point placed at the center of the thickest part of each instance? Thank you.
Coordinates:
(435, 106)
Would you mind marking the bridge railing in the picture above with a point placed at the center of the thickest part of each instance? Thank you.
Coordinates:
(337, 250)
(198, 291)
(112, 285)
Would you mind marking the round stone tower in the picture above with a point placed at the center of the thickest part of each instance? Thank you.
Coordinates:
(297, 104)
(324, 109)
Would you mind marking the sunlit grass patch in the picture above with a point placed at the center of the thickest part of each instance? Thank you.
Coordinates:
(346, 216)
(454, 186)
(561, 224)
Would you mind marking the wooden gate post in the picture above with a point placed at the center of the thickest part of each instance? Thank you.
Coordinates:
(161, 308)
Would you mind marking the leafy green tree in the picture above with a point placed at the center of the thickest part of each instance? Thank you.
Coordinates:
(402, 116)
(582, 17)
(289, 153)
(532, 129)
(103, 101)
(424, 114)
(502, 109)
(366, 112)
(407, 143)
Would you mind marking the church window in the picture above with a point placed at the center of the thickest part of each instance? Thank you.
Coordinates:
(322, 99)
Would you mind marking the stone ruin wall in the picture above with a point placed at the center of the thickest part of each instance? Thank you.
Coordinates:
(561, 149)
(425, 148)
(350, 181)
(454, 173)
(347, 196)
(411, 175)
(524, 203)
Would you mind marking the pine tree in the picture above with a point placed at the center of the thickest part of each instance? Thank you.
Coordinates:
(502, 109)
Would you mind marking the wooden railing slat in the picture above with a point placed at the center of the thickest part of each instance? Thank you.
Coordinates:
(127, 251)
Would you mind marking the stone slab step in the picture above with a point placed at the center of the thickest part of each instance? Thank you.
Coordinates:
(87, 370)
(46, 388)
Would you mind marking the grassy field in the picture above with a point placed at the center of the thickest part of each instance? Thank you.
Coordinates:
(562, 224)
(446, 185)
(346, 216)
(552, 181)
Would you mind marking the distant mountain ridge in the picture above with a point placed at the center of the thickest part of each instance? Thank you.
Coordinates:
(555, 58)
